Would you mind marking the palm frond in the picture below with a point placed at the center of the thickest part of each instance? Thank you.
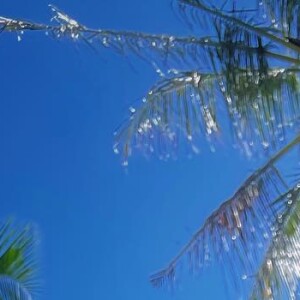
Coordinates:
(17, 259)
(12, 290)
(241, 21)
(155, 47)
(183, 107)
(279, 273)
(283, 14)
(238, 60)
(237, 232)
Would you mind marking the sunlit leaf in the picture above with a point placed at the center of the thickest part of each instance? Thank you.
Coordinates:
(279, 274)
(238, 232)
(183, 109)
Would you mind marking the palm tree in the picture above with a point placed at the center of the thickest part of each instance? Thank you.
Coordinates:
(244, 61)
(17, 263)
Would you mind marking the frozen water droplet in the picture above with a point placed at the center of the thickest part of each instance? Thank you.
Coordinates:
(244, 277)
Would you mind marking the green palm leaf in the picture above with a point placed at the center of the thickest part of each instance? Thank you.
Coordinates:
(17, 260)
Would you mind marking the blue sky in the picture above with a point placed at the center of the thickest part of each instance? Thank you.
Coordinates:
(103, 230)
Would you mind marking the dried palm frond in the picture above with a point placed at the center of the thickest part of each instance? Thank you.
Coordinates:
(239, 230)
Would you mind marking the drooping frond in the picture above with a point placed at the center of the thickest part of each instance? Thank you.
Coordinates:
(279, 274)
(237, 232)
(233, 61)
(17, 259)
(184, 107)
(12, 290)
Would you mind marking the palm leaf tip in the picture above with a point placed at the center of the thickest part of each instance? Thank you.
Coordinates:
(12, 290)
(19, 26)
(163, 277)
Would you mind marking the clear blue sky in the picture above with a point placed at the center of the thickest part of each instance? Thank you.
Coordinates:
(103, 230)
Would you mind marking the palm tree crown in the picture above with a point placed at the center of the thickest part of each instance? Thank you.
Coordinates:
(246, 63)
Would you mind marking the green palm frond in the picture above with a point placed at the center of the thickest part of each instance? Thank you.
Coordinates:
(239, 230)
(183, 106)
(17, 259)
